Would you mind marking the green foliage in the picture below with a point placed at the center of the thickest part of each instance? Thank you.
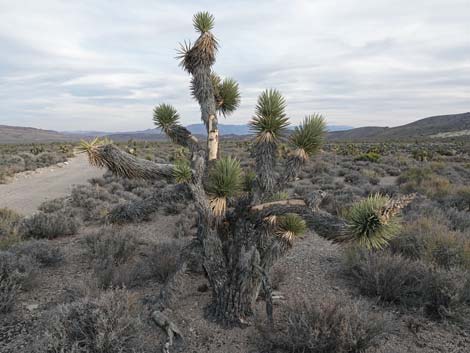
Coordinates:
(203, 21)
(270, 120)
(292, 223)
(372, 157)
(182, 171)
(165, 117)
(366, 224)
(228, 95)
(309, 136)
(278, 196)
(225, 179)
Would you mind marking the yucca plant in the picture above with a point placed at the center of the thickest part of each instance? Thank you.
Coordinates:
(270, 121)
(308, 138)
(290, 225)
(225, 180)
(372, 222)
(182, 172)
(245, 221)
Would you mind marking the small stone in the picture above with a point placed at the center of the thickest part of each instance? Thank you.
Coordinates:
(32, 307)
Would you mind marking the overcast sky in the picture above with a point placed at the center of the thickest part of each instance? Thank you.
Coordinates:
(104, 64)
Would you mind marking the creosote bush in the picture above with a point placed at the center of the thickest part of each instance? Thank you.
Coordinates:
(9, 221)
(159, 261)
(16, 273)
(327, 325)
(40, 250)
(432, 241)
(48, 225)
(109, 323)
(410, 284)
(111, 249)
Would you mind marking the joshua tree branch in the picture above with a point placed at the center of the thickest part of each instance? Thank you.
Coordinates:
(126, 165)
(323, 223)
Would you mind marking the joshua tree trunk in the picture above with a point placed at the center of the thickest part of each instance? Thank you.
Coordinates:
(212, 138)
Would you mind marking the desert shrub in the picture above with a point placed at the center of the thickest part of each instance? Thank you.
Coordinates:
(328, 325)
(182, 227)
(423, 180)
(107, 324)
(372, 176)
(160, 261)
(460, 199)
(48, 225)
(368, 157)
(16, 273)
(40, 250)
(130, 212)
(113, 243)
(355, 178)
(410, 284)
(9, 221)
(53, 205)
(430, 240)
(459, 220)
(111, 249)
(46, 159)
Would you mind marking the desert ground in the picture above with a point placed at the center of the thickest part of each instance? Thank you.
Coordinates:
(88, 252)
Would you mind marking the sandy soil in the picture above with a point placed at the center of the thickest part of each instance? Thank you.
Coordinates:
(28, 190)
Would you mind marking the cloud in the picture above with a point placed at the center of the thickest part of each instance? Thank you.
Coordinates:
(105, 64)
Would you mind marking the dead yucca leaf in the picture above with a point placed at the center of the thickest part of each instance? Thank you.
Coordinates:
(91, 149)
(218, 206)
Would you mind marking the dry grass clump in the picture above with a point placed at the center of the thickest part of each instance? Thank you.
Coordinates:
(327, 325)
(40, 250)
(48, 225)
(160, 261)
(16, 273)
(432, 241)
(9, 221)
(111, 249)
(410, 284)
(109, 323)
(424, 181)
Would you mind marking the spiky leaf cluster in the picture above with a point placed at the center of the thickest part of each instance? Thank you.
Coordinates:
(366, 224)
(203, 21)
(290, 225)
(182, 172)
(89, 147)
(225, 178)
(165, 117)
(308, 138)
(202, 53)
(270, 120)
(227, 96)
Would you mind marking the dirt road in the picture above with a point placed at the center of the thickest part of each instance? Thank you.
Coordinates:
(28, 190)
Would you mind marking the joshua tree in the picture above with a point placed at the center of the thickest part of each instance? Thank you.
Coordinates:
(244, 222)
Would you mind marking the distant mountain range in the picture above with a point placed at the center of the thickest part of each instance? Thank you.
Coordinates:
(436, 126)
(433, 127)
(226, 130)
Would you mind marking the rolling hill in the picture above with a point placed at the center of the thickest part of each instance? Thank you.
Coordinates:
(432, 127)
(18, 134)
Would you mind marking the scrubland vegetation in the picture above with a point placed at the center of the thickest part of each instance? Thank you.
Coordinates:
(28, 157)
(120, 239)
(284, 244)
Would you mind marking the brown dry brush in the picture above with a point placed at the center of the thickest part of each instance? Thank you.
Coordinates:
(240, 234)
